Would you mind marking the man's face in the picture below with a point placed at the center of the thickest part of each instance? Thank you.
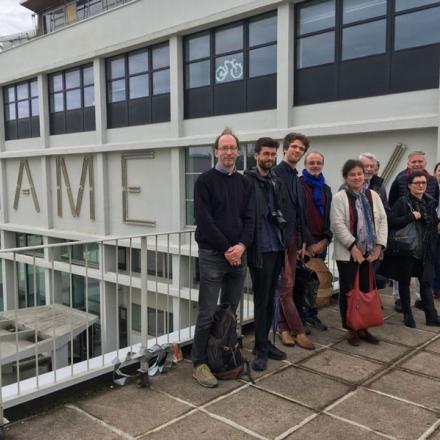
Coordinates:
(227, 151)
(314, 164)
(417, 162)
(370, 167)
(266, 158)
(295, 151)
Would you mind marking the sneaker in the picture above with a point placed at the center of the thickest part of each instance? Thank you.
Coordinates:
(353, 338)
(304, 342)
(317, 323)
(260, 362)
(202, 374)
(418, 304)
(275, 353)
(367, 336)
(286, 338)
(398, 306)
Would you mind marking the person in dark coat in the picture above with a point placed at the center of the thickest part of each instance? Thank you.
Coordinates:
(372, 180)
(419, 207)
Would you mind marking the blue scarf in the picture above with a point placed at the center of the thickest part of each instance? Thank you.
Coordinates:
(317, 185)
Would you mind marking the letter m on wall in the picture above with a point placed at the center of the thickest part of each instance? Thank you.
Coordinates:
(63, 175)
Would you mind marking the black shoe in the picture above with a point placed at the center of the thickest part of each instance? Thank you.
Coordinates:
(307, 329)
(317, 323)
(260, 362)
(398, 306)
(433, 322)
(367, 336)
(418, 304)
(275, 353)
(408, 320)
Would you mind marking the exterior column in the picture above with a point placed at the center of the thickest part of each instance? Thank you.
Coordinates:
(100, 100)
(176, 86)
(43, 109)
(102, 216)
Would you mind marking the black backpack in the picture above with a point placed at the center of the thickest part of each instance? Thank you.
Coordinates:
(225, 359)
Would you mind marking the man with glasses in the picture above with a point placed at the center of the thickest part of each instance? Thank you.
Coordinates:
(399, 187)
(372, 180)
(225, 218)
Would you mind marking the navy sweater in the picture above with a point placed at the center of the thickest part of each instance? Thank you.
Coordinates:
(224, 210)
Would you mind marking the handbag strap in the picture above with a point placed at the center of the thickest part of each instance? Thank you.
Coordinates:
(372, 278)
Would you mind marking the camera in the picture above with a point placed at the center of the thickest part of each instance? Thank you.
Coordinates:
(277, 218)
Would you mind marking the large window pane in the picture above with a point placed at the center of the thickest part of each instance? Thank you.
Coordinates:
(316, 17)
(197, 47)
(35, 107)
(262, 61)
(161, 57)
(198, 159)
(10, 94)
(117, 67)
(57, 82)
(11, 112)
(354, 10)
(229, 39)
(197, 74)
(161, 82)
(263, 31)
(23, 109)
(229, 68)
(401, 5)
(34, 89)
(316, 50)
(73, 99)
(117, 90)
(417, 29)
(57, 102)
(363, 40)
(73, 79)
(89, 96)
(138, 62)
(139, 86)
(22, 91)
(88, 75)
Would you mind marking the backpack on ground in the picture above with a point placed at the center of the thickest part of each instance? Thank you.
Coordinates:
(225, 359)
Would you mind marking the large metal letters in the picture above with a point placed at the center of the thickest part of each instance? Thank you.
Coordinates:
(24, 167)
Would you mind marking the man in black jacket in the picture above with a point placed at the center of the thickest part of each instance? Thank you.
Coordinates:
(265, 255)
(225, 218)
(372, 180)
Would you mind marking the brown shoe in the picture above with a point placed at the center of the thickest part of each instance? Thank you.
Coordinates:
(286, 338)
(353, 338)
(304, 342)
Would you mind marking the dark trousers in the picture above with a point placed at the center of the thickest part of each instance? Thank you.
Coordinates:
(436, 285)
(347, 272)
(264, 283)
(215, 274)
(425, 290)
(290, 319)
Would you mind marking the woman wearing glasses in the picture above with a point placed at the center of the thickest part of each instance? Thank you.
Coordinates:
(418, 207)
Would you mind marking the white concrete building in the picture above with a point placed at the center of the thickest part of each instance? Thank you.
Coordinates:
(108, 116)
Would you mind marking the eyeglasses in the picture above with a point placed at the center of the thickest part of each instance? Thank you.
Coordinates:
(224, 149)
(314, 162)
(419, 183)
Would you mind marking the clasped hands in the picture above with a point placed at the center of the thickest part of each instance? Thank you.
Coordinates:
(359, 258)
(234, 253)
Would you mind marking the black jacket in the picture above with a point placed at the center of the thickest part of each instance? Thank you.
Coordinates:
(261, 201)
(376, 184)
(294, 200)
(399, 187)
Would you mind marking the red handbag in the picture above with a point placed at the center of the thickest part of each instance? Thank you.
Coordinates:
(364, 309)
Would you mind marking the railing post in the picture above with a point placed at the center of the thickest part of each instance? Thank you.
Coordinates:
(144, 293)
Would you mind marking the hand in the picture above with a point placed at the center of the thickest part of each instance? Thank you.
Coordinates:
(375, 255)
(313, 249)
(234, 253)
(417, 215)
(357, 255)
(302, 251)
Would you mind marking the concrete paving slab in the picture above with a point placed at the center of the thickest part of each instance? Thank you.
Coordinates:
(341, 365)
(198, 426)
(296, 354)
(132, 409)
(328, 337)
(419, 317)
(424, 362)
(434, 346)
(261, 412)
(59, 424)
(435, 435)
(412, 387)
(384, 352)
(331, 317)
(180, 383)
(411, 337)
(326, 427)
(303, 386)
(384, 414)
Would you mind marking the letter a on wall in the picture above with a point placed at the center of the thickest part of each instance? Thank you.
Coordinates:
(24, 168)
(62, 174)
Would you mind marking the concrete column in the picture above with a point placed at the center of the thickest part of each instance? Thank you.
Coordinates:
(43, 107)
(100, 100)
(102, 209)
(4, 208)
(47, 204)
(176, 86)
(177, 172)
(2, 122)
(285, 60)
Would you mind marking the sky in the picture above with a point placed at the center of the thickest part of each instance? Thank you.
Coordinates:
(14, 18)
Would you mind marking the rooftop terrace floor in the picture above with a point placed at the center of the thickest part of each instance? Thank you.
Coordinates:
(334, 392)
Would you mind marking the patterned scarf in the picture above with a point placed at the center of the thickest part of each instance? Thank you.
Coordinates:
(317, 185)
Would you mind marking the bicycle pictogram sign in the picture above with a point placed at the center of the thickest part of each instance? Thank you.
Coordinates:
(229, 70)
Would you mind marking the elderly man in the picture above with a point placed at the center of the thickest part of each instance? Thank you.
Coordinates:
(372, 180)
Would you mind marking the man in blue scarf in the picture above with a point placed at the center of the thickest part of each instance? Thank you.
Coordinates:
(318, 199)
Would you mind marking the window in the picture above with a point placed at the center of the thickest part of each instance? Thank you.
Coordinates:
(25, 240)
(231, 69)
(74, 293)
(159, 322)
(138, 87)
(72, 100)
(81, 254)
(31, 285)
(349, 48)
(158, 263)
(201, 159)
(21, 110)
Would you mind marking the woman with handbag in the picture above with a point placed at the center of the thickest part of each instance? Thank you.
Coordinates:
(359, 226)
(419, 210)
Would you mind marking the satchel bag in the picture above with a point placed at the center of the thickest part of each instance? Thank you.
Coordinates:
(306, 286)
(364, 309)
(403, 242)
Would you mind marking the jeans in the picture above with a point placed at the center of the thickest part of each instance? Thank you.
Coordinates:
(264, 283)
(215, 274)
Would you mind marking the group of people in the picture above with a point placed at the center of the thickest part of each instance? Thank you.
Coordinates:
(270, 217)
